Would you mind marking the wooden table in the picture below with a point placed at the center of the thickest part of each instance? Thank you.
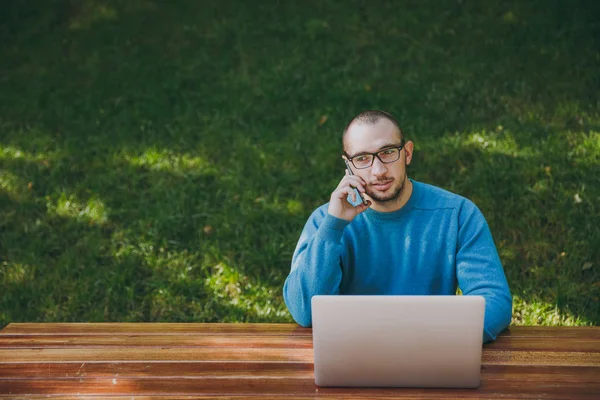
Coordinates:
(263, 361)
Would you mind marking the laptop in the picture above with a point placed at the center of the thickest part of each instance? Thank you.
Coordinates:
(398, 341)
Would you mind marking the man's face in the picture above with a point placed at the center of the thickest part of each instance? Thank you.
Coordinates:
(385, 182)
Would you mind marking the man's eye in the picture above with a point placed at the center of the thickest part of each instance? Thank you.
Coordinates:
(361, 158)
(388, 152)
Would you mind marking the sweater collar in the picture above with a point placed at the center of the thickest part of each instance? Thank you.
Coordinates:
(410, 204)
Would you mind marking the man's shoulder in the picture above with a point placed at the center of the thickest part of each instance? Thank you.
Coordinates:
(434, 197)
(321, 210)
(319, 213)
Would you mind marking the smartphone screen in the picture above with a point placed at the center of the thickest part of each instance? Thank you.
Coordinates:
(359, 195)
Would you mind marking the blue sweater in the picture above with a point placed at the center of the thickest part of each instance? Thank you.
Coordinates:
(437, 242)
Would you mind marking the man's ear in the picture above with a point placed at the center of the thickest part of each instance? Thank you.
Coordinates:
(409, 147)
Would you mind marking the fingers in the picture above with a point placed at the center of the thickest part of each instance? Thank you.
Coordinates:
(343, 192)
(362, 207)
(353, 181)
(340, 207)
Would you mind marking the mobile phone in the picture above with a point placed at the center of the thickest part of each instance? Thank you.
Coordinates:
(356, 190)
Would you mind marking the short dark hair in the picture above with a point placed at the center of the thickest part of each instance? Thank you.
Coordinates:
(371, 117)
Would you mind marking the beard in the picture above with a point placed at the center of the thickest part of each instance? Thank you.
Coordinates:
(394, 192)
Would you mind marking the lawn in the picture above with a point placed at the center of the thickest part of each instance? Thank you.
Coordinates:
(158, 159)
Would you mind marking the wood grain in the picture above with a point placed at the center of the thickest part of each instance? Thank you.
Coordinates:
(259, 341)
(150, 370)
(153, 369)
(164, 341)
(538, 332)
(290, 396)
(542, 332)
(153, 329)
(570, 344)
(141, 354)
(304, 387)
(397, 396)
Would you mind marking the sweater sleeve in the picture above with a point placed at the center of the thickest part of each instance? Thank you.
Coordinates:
(479, 271)
(316, 265)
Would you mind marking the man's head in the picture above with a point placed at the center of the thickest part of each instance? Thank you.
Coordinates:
(377, 132)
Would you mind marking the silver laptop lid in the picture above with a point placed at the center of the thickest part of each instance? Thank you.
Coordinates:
(398, 341)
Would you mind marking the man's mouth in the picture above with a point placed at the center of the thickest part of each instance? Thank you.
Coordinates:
(382, 186)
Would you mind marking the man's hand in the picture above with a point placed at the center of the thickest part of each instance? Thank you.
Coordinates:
(338, 204)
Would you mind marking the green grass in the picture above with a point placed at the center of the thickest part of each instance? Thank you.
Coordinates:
(158, 159)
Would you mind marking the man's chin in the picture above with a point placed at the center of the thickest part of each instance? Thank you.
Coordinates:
(383, 197)
(392, 194)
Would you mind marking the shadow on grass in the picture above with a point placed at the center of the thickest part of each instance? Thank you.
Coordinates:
(137, 243)
(175, 151)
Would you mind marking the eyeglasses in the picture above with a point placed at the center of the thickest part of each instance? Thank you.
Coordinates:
(386, 156)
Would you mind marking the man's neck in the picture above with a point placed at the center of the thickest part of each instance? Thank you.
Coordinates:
(390, 206)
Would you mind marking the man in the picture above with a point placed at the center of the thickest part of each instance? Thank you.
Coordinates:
(409, 238)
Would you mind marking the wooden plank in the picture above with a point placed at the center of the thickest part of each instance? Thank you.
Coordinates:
(201, 397)
(183, 397)
(535, 373)
(151, 370)
(142, 354)
(544, 344)
(590, 332)
(221, 397)
(184, 354)
(287, 387)
(258, 341)
(224, 397)
(152, 329)
(150, 397)
(398, 396)
(556, 358)
(225, 340)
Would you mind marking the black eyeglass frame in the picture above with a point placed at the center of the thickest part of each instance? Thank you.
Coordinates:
(400, 147)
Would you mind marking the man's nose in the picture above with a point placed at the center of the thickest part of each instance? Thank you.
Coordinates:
(378, 168)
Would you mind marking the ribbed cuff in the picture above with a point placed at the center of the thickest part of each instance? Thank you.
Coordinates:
(332, 228)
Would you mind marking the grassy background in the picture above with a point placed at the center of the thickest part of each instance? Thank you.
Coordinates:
(159, 159)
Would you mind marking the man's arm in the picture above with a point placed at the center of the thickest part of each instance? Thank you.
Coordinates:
(479, 271)
(316, 264)
(316, 268)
